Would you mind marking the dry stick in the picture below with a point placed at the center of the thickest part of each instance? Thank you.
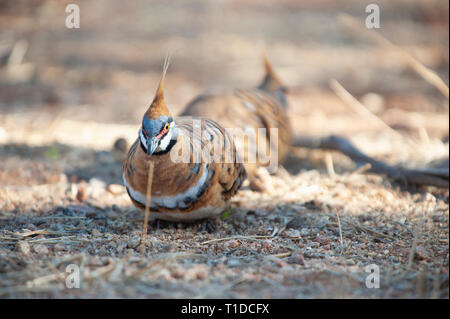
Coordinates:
(68, 258)
(433, 177)
(362, 169)
(282, 255)
(340, 233)
(329, 165)
(368, 230)
(45, 279)
(424, 135)
(18, 53)
(362, 228)
(147, 206)
(38, 232)
(428, 75)
(256, 237)
(359, 108)
(404, 226)
(102, 271)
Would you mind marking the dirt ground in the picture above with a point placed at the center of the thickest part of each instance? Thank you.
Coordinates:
(66, 96)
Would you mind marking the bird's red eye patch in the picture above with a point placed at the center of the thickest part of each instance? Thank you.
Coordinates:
(164, 131)
(144, 132)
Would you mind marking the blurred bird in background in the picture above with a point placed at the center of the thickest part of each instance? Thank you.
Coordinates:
(262, 107)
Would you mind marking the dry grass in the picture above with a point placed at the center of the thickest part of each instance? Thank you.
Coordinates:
(321, 221)
(428, 75)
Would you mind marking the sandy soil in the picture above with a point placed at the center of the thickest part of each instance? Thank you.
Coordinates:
(311, 234)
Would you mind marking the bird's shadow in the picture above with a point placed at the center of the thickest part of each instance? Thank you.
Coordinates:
(39, 163)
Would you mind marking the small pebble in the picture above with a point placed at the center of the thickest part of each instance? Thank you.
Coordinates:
(23, 247)
(296, 258)
(134, 241)
(81, 193)
(116, 189)
(40, 249)
(178, 273)
(233, 243)
(196, 272)
(95, 233)
(96, 261)
(59, 247)
(305, 231)
(282, 264)
(421, 253)
(267, 244)
(233, 262)
(164, 274)
(293, 233)
(349, 262)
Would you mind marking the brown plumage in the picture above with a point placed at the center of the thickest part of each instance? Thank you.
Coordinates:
(195, 186)
(261, 107)
(158, 106)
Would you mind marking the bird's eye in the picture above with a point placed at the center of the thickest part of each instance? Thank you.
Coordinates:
(166, 127)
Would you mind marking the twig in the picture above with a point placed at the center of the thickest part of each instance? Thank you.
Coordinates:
(433, 177)
(45, 279)
(34, 232)
(47, 240)
(359, 108)
(329, 165)
(424, 135)
(362, 228)
(147, 206)
(62, 217)
(18, 52)
(368, 230)
(255, 237)
(282, 255)
(39, 232)
(57, 240)
(69, 258)
(427, 74)
(404, 226)
(360, 170)
(340, 233)
(101, 271)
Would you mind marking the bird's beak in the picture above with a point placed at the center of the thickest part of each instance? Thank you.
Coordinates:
(152, 144)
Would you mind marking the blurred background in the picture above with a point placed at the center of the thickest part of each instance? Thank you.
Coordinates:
(68, 95)
(89, 86)
(107, 70)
